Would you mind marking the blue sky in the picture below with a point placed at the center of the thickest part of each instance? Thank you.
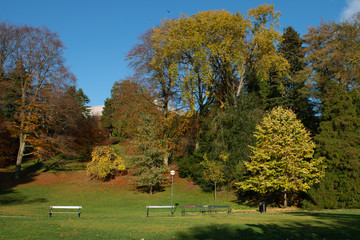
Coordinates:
(98, 33)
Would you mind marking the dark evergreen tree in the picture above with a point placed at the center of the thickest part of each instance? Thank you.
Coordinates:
(339, 142)
(292, 91)
(107, 116)
(333, 54)
(291, 49)
(226, 131)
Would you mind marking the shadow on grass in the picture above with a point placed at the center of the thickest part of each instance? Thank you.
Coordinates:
(7, 180)
(10, 196)
(323, 226)
(145, 189)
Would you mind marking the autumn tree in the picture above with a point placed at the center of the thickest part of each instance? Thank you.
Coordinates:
(104, 163)
(208, 53)
(264, 61)
(160, 82)
(147, 160)
(69, 130)
(122, 111)
(283, 156)
(31, 57)
(191, 56)
(122, 115)
(333, 53)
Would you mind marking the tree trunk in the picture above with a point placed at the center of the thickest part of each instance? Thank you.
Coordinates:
(22, 131)
(151, 190)
(20, 155)
(285, 199)
(241, 83)
(197, 146)
(166, 159)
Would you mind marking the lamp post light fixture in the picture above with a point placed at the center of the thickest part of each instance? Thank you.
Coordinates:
(172, 173)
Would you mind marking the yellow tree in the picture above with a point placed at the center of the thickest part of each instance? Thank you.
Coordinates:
(104, 163)
(213, 171)
(283, 156)
(205, 52)
(211, 53)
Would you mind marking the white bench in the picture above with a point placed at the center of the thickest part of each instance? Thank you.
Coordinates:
(78, 208)
(159, 207)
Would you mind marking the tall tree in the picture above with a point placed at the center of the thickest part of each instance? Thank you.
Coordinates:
(160, 82)
(208, 53)
(34, 58)
(122, 111)
(293, 92)
(63, 129)
(147, 160)
(334, 55)
(292, 50)
(283, 156)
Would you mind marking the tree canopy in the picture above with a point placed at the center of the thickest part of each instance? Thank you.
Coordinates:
(42, 109)
(333, 55)
(283, 156)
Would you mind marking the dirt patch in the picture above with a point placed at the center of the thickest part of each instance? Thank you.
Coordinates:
(75, 178)
(189, 185)
(81, 177)
(60, 177)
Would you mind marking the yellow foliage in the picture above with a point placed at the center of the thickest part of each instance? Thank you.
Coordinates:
(104, 163)
(213, 170)
(224, 156)
(213, 48)
(283, 156)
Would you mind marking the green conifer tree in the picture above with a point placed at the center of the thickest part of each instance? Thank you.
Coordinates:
(339, 142)
(148, 160)
(333, 53)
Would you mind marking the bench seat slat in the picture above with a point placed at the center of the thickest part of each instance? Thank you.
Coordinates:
(66, 207)
(159, 206)
(64, 212)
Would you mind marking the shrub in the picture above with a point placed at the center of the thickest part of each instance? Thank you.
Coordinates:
(104, 163)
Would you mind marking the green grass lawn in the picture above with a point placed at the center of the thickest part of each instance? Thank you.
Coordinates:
(115, 211)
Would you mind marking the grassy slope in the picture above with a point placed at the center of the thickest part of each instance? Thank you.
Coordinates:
(113, 210)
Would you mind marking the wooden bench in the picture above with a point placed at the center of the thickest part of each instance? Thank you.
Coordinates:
(159, 207)
(78, 208)
(205, 208)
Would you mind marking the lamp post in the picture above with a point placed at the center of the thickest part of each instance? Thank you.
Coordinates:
(172, 173)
